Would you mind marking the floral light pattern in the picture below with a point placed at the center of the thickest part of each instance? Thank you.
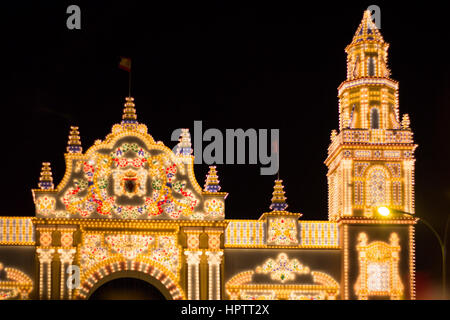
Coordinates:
(282, 269)
(129, 175)
(282, 231)
(129, 245)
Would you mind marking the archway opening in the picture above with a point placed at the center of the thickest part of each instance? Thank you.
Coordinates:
(127, 289)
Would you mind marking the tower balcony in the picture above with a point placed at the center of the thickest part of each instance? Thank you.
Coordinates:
(371, 136)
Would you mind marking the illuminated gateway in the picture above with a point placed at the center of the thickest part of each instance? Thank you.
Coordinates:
(130, 207)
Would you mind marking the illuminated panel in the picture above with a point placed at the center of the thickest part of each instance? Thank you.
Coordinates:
(319, 234)
(245, 233)
(16, 231)
(313, 234)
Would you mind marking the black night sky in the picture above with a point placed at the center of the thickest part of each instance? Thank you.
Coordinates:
(231, 64)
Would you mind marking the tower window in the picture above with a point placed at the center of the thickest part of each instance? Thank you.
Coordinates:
(371, 67)
(377, 188)
(374, 119)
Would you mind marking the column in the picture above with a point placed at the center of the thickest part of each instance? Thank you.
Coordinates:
(193, 256)
(193, 273)
(66, 257)
(347, 186)
(45, 256)
(384, 109)
(214, 283)
(214, 255)
(408, 166)
(364, 92)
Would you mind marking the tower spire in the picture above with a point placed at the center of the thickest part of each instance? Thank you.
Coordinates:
(129, 111)
(278, 198)
(74, 143)
(367, 30)
(212, 180)
(46, 179)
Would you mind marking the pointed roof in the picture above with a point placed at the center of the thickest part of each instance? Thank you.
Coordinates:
(46, 179)
(279, 204)
(367, 30)
(74, 143)
(278, 198)
(129, 111)
(212, 180)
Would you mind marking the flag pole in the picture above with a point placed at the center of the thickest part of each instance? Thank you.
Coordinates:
(129, 83)
(125, 64)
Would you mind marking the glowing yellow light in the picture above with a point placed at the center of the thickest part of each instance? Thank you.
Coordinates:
(384, 211)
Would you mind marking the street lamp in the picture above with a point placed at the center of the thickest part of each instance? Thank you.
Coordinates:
(385, 212)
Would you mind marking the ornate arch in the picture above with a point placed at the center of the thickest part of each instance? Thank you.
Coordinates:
(242, 285)
(378, 268)
(162, 279)
(16, 285)
(375, 118)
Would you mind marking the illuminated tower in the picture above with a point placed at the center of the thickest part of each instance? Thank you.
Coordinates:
(371, 158)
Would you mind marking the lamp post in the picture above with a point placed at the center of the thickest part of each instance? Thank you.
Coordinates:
(385, 212)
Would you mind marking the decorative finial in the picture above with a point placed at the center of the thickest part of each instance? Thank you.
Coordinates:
(46, 180)
(406, 122)
(129, 112)
(278, 199)
(74, 144)
(212, 180)
(333, 134)
(184, 147)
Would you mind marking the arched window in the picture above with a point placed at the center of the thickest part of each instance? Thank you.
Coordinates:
(378, 268)
(371, 67)
(374, 119)
(378, 188)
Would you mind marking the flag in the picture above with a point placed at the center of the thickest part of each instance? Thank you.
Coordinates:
(275, 146)
(125, 64)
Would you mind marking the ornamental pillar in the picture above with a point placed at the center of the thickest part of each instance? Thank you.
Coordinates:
(347, 187)
(214, 255)
(66, 257)
(193, 273)
(45, 255)
(364, 94)
(384, 109)
(408, 174)
(214, 279)
(193, 257)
